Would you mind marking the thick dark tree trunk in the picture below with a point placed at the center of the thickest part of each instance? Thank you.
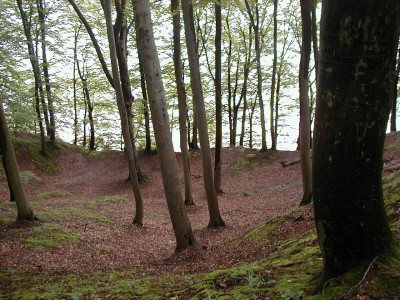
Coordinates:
(356, 76)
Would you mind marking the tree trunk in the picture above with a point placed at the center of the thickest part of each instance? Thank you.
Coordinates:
(146, 114)
(50, 104)
(355, 81)
(138, 219)
(159, 113)
(304, 102)
(256, 23)
(197, 91)
(393, 126)
(12, 172)
(180, 86)
(218, 97)
(36, 73)
(273, 81)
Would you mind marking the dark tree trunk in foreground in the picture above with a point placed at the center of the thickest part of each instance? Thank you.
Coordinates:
(12, 172)
(159, 114)
(356, 74)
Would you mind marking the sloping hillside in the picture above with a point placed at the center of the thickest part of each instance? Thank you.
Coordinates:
(267, 250)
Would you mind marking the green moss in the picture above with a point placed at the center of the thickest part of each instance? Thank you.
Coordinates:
(95, 153)
(56, 193)
(44, 163)
(94, 203)
(51, 235)
(71, 212)
(249, 160)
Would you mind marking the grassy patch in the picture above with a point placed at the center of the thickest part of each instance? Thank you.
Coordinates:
(249, 160)
(56, 193)
(51, 235)
(95, 203)
(94, 153)
(75, 213)
(44, 163)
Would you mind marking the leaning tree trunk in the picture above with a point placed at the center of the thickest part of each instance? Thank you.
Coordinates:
(138, 219)
(12, 172)
(304, 102)
(180, 86)
(198, 99)
(355, 80)
(159, 113)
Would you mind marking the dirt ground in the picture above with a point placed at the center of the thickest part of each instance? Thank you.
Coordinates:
(78, 198)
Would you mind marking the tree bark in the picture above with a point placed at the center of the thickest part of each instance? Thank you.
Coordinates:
(180, 86)
(36, 73)
(198, 99)
(159, 113)
(355, 81)
(138, 219)
(11, 168)
(218, 98)
(273, 81)
(255, 22)
(49, 96)
(304, 102)
(393, 117)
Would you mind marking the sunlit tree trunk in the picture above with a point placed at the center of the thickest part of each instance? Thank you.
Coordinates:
(198, 99)
(138, 219)
(357, 64)
(159, 113)
(12, 172)
(393, 126)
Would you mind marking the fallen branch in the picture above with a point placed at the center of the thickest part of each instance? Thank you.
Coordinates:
(350, 291)
(288, 163)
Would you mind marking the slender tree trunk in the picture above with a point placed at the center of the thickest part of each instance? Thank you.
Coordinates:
(36, 73)
(12, 172)
(218, 97)
(212, 201)
(76, 36)
(138, 219)
(304, 102)
(50, 104)
(229, 85)
(255, 24)
(273, 82)
(393, 126)
(145, 109)
(314, 30)
(159, 113)
(180, 86)
(194, 144)
(355, 81)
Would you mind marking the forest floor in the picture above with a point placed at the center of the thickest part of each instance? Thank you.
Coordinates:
(85, 207)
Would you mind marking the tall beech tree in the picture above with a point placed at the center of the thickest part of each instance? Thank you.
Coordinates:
(159, 114)
(304, 101)
(255, 23)
(198, 99)
(273, 81)
(138, 219)
(181, 91)
(218, 96)
(11, 168)
(355, 81)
